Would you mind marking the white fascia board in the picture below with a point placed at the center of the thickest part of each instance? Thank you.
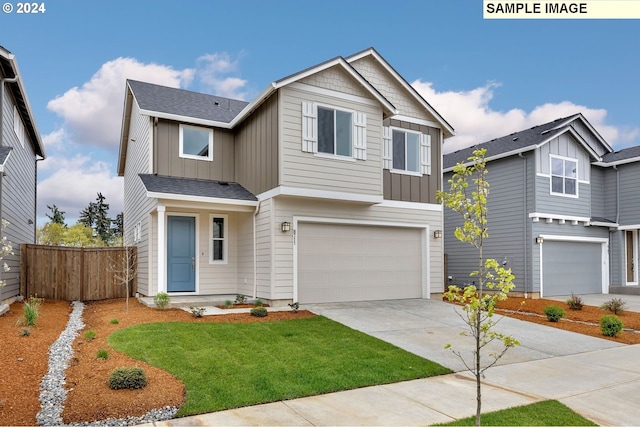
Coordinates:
(201, 199)
(320, 194)
(186, 119)
(498, 156)
(629, 227)
(5, 161)
(559, 217)
(253, 105)
(414, 93)
(604, 224)
(618, 162)
(329, 92)
(411, 205)
(417, 121)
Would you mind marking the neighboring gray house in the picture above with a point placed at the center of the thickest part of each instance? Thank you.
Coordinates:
(20, 149)
(564, 211)
(322, 188)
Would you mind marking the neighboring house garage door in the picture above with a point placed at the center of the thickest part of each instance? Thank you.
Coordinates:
(571, 267)
(339, 262)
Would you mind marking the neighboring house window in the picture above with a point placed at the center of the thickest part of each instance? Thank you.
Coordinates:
(18, 126)
(406, 151)
(564, 176)
(196, 142)
(218, 239)
(334, 131)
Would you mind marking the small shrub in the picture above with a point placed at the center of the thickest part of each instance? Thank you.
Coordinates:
(129, 378)
(614, 305)
(102, 354)
(228, 303)
(161, 300)
(575, 302)
(31, 311)
(114, 321)
(554, 313)
(258, 303)
(240, 299)
(259, 312)
(197, 311)
(90, 335)
(25, 332)
(610, 325)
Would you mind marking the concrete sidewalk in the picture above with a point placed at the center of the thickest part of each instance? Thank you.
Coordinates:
(597, 378)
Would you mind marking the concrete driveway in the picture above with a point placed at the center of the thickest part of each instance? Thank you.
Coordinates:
(597, 378)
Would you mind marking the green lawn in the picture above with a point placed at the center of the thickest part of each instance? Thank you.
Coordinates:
(228, 365)
(547, 413)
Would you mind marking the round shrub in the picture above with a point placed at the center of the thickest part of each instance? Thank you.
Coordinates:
(161, 300)
(131, 378)
(259, 312)
(610, 325)
(554, 313)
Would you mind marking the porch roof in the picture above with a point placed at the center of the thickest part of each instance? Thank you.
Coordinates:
(161, 186)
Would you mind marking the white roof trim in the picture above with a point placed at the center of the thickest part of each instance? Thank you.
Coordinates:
(320, 194)
(201, 199)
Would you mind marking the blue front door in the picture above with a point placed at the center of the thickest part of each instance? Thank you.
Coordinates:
(181, 254)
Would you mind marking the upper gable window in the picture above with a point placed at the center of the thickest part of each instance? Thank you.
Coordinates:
(564, 176)
(18, 126)
(406, 151)
(196, 142)
(334, 131)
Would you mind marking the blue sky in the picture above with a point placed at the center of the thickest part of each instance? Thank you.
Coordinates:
(486, 77)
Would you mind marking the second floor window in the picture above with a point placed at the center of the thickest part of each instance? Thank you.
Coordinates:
(406, 151)
(334, 132)
(564, 176)
(196, 142)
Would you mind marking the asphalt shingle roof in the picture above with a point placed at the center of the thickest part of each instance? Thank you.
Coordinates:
(627, 153)
(505, 144)
(196, 187)
(185, 103)
(4, 153)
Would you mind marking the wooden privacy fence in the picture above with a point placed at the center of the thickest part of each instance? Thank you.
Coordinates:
(70, 274)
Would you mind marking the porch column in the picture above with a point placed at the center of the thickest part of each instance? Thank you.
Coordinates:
(162, 249)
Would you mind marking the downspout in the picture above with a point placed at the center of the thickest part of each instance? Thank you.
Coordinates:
(35, 205)
(255, 254)
(526, 242)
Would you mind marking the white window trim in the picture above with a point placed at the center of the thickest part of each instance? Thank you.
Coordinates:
(310, 131)
(225, 239)
(191, 156)
(388, 156)
(18, 126)
(551, 175)
(137, 232)
(335, 139)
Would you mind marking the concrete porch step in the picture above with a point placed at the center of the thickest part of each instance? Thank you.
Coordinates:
(182, 301)
(625, 290)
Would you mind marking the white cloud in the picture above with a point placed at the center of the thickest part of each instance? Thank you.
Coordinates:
(475, 122)
(92, 113)
(74, 183)
(210, 71)
(53, 139)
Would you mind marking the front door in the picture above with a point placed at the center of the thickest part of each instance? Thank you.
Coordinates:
(181, 254)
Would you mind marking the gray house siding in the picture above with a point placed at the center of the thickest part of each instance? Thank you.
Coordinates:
(629, 200)
(256, 145)
(408, 188)
(168, 161)
(507, 222)
(18, 197)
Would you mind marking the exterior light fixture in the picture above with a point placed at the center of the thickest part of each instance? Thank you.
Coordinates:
(285, 226)
(437, 234)
(539, 240)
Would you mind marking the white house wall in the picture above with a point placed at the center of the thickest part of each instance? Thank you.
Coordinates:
(308, 170)
(286, 208)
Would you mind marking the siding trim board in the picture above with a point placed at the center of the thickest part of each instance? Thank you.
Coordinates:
(320, 194)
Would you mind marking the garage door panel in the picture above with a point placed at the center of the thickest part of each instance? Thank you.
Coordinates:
(571, 267)
(358, 263)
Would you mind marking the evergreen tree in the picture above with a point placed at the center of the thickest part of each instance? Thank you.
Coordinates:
(96, 217)
(57, 216)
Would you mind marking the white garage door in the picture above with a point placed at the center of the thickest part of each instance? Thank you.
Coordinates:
(339, 263)
(571, 267)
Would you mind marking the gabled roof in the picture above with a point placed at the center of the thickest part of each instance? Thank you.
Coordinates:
(9, 70)
(169, 187)
(180, 104)
(627, 155)
(447, 128)
(526, 140)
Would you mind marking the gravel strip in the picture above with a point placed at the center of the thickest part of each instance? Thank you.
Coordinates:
(53, 393)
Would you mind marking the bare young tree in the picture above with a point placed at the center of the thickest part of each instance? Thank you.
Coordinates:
(125, 269)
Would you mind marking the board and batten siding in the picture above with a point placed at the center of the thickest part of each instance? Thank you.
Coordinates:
(18, 197)
(411, 188)
(330, 173)
(589, 138)
(629, 201)
(256, 148)
(137, 206)
(169, 163)
(598, 193)
(287, 208)
(507, 224)
(564, 146)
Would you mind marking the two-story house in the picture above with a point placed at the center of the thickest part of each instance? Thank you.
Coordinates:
(20, 149)
(563, 211)
(322, 188)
